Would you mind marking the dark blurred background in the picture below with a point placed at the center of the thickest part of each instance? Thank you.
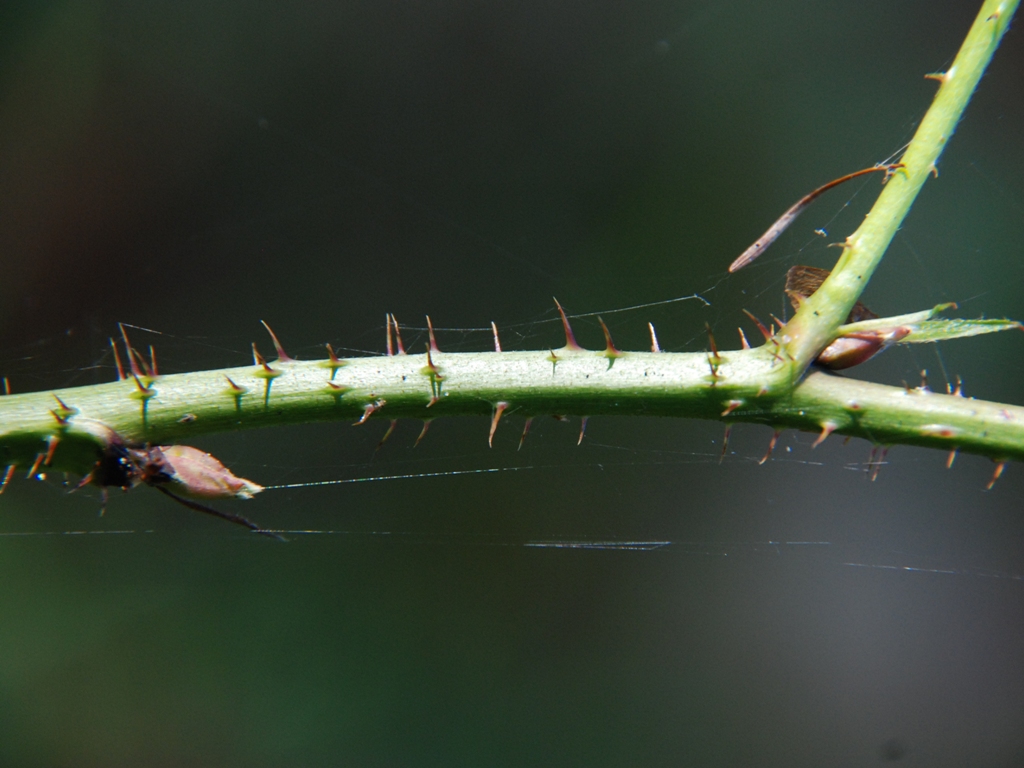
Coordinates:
(192, 168)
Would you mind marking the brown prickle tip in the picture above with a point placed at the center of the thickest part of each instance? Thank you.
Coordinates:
(154, 370)
(7, 477)
(610, 350)
(391, 429)
(760, 325)
(62, 412)
(235, 389)
(7, 386)
(282, 356)
(1000, 466)
(51, 447)
(144, 391)
(35, 466)
(368, 410)
(499, 408)
(827, 428)
(654, 339)
(951, 458)
(526, 429)
(133, 364)
(430, 334)
(711, 341)
(398, 335)
(570, 339)
(771, 447)
(423, 432)
(725, 442)
(940, 77)
(331, 355)
(730, 406)
(259, 360)
(390, 346)
(744, 344)
(583, 429)
(878, 464)
(497, 341)
(117, 360)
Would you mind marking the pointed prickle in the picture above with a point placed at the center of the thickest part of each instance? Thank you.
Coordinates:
(35, 466)
(235, 389)
(771, 447)
(398, 336)
(499, 408)
(7, 386)
(951, 458)
(780, 323)
(1000, 466)
(7, 477)
(154, 371)
(570, 339)
(51, 447)
(959, 391)
(743, 339)
(390, 346)
(760, 325)
(878, 464)
(827, 428)
(526, 429)
(132, 363)
(730, 406)
(430, 334)
(144, 391)
(711, 341)
(140, 362)
(62, 412)
(423, 432)
(497, 341)
(258, 359)
(725, 442)
(583, 429)
(117, 360)
(871, 457)
(368, 410)
(333, 362)
(654, 338)
(391, 429)
(610, 350)
(282, 356)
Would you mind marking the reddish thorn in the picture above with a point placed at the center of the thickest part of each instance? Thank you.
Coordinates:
(951, 458)
(959, 391)
(423, 432)
(331, 354)
(142, 387)
(871, 457)
(131, 352)
(570, 340)
(610, 350)
(282, 356)
(387, 322)
(430, 362)
(725, 442)
(434, 399)
(583, 429)
(879, 463)
(526, 429)
(497, 343)
(234, 387)
(398, 335)
(64, 407)
(137, 357)
(35, 466)
(257, 359)
(499, 408)
(780, 322)
(730, 406)
(7, 477)
(430, 333)
(827, 428)
(654, 339)
(391, 428)
(1000, 466)
(711, 340)
(760, 325)
(771, 447)
(7, 386)
(117, 360)
(368, 410)
(743, 339)
(335, 387)
(152, 362)
(51, 447)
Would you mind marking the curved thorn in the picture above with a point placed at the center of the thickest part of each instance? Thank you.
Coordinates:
(282, 356)
(827, 428)
(423, 432)
(398, 335)
(654, 339)
(430, 333)
(771, 447)
(610, 350)
(526, 429)
(1000, 466)
(497, 342)
(743, 339)
(725, 442)
(499, 408)
(760, 325)
(583, 429)
(570, 339)
(131, 352)
(391, 428)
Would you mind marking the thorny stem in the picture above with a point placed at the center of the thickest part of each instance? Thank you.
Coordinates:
(66, 429)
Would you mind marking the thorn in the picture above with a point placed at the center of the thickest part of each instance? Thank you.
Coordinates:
(391, 428)
(497, 343)
(7, 477)
(368, 410)
(235, 388)
(131, 356)
(583, 429)
(1000, 466)
(398, 336)
(933, 170)
(333, 361)
(62, 412)
(827, 428)
(387, 322)
(951, 458)
(7, 386)
(760, 325)
(423, 432)
(730, 406)
(711, 340)
(610, 351)
(924, 381)
(499, 408)
(145, 391)
(526, 429)
(134, 353)
(654, 339)
(771, 447)
(959, 391)
(570, 340)
(779, 322)
(117, 360)
(257, 359)
(879, 463)
(35, 466)
(725, 442)
(553, 359)
(871, 457)
(743, 339)
(154, 371)
(430, 333)
(282, 356)
(938, 76)
(51, 447)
